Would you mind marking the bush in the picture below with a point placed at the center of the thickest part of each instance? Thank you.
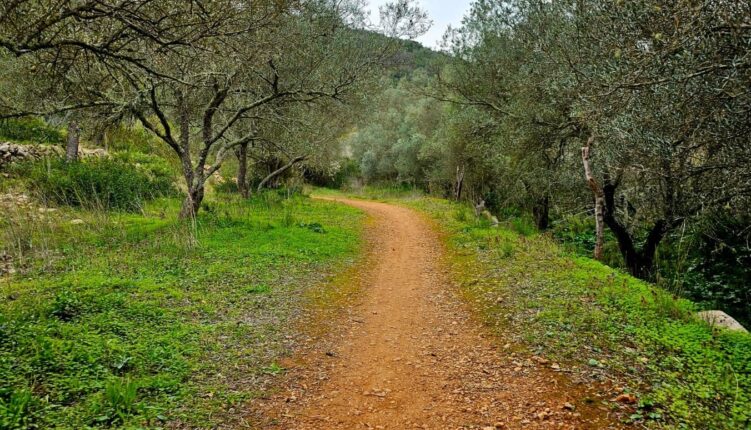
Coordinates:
(124, 182)
(711, 264)
(30, 130)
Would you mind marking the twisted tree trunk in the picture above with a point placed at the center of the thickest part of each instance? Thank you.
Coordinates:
(541, 213)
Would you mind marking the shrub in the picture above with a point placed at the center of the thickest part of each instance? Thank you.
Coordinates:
(121, 183)
(31, 130)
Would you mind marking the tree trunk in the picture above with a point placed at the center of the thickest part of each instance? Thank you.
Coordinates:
(192, 202)
(599, 203)
(541, 213)
(279, 171)
(640, 263)
(599, 227)
(74, 138)
(242, 170)
(100, 136)
(459, 183)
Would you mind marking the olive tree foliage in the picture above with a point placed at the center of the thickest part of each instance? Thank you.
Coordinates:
(661, 90)
(196, 74)
(389, 138)
(503, 64)
(672, 109)
(407, 137)
(294, 139)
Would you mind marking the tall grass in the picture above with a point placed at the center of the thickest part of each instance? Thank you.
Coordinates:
(98, 184)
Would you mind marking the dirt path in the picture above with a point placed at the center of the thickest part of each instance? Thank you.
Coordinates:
(411, 356)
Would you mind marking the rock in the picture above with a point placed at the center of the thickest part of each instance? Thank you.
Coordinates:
(721, 319)
(11, 152)
(76, 221)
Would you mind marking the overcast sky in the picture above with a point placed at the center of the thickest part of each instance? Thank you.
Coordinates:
(442, 12)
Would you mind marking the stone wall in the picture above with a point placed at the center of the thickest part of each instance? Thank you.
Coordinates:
(12, 152)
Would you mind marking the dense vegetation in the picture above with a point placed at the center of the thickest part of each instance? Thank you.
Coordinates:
(124, 182)
(619, 130)
(601, 323)
(622, 127)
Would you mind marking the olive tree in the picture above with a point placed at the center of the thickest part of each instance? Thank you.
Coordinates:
(197, 74)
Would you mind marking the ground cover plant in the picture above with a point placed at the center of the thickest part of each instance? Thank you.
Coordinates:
(34, 130)
(590, 319)
(152, 322)
(122, 182)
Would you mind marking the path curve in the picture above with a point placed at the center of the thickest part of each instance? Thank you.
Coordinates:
(412, 357)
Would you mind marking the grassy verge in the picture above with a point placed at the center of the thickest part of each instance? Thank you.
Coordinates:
(600, 323)
(140, 321)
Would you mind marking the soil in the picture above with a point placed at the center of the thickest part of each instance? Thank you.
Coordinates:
(411, 355)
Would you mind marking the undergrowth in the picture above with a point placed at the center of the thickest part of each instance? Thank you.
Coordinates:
(123, 182)
(30, 130)
(601, 322)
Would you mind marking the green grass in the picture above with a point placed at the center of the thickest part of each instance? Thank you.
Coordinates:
(30, 130)
(599, 322)
(141, 321)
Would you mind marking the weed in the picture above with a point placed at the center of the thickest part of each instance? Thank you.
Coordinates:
(66, 305)
(258, 289)
(289, 218)
(16, 408)
(34, 130)
(273, 369)
(118, 401)
(315, 227)
(522, 225)
(123, 183)
(462, 214)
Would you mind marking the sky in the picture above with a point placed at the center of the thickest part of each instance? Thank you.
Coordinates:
(442, 12)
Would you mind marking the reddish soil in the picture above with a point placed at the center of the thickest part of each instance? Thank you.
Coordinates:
(410, 355)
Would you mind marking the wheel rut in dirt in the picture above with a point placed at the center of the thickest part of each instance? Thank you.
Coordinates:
(412, 356)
